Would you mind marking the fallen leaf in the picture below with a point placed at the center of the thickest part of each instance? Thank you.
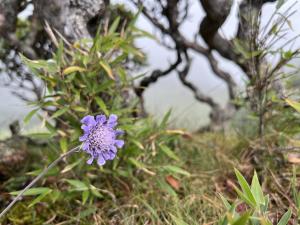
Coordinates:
(174, 183)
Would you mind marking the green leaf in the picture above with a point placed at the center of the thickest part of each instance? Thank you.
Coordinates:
(107, 69)
(295, 105)
(78, 185)
(280, 3)
(59, 112)
(114, 25)
(54, 196)
(225, 202)
(287, 54)
(49, 66)
(33, 191)
(166, 187)
(73, 69)
(285, 218)
(95, 192)
(140, 166)
(137, 163)
(243, 220)
(101, 104)
(63, 144)
(30, 115)
(138, 144)
(39, 198)
(87, 212)
(59, 53)
(244, 197)
(265, 207)
(169, 152)
(256, 190)
(245, 187)
(165, 119)
(85, 196)
(79, 108)
(175, 169)
(71, 166)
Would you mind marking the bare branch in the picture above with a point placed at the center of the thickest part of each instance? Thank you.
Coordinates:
(201, 97)
(156, 74)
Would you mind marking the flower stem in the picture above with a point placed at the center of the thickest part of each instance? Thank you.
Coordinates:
(38, 177)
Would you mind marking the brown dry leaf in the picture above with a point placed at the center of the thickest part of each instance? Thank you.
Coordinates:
(174, 183)
(294, 158)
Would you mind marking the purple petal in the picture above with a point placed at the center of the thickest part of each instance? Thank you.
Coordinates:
(90, 161)
(119, 143)
(119, 132)
(100, 160)
(112, 120)
(101, 119)
(86, 146)
(88, 120)
(112, 155)
(83, 137)
(114, 149)
(106, 156)
(85, 128)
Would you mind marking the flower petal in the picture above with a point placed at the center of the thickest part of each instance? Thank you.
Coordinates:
(114, 149)
(86, 128)
(119, 132)
(86, 146)
(100, 160)
(112, 120)
(119, 143)
(106, 156)
(83, 137)
(90, 161)
(88, 120)
(112, 155)
(101, 119)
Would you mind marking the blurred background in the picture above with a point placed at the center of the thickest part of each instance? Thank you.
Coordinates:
(168, 93)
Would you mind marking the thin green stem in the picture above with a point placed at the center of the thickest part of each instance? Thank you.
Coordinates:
(39, 177)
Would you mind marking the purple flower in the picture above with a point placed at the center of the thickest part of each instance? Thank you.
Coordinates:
(100, 138)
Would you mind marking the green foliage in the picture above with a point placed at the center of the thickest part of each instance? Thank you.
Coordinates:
(254, 204)
(89, 77)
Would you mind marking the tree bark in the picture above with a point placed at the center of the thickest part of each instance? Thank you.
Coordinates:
(74, 19)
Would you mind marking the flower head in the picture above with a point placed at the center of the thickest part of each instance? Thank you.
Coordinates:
(100, 138)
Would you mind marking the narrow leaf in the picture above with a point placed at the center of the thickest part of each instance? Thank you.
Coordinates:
(256, 190)
(59, 112)
(245, 187)
(165, 149)
(30, 115)
(295, 105)
(107, 69)
(285, 218)
(114, 26)
(176, 169)
(101, 104)
(33, 191)
(73, 69)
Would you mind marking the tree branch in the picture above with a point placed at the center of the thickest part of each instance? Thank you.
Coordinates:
(156, 74)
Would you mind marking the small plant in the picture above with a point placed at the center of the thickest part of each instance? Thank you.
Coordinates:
(252, 206)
